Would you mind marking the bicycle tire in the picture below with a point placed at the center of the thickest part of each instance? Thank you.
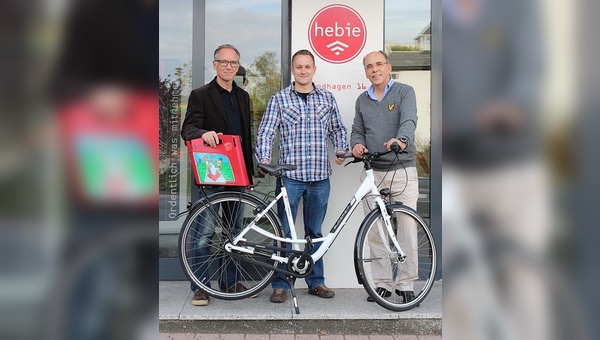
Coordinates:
(377, 269)
(204, 267)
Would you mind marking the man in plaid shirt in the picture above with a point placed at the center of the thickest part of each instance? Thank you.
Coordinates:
(306, 117)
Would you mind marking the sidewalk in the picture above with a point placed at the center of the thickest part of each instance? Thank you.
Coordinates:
(345, 317)
(188, 336)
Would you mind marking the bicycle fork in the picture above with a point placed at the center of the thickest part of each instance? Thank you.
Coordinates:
(387, 219)
(366, 187)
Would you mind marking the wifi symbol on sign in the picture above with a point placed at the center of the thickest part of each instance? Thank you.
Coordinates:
(337, 47)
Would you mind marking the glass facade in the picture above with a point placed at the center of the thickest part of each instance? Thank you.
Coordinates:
(406, 25)
(175, 84)
(254, 28)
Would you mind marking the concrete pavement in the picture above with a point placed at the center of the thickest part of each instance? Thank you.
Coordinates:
(189, 336)
(347, 316)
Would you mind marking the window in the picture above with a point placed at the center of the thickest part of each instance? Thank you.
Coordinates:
(403, 22)
(254, 28)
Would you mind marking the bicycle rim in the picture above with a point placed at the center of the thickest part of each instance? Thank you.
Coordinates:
(384, 277)
(204, 234)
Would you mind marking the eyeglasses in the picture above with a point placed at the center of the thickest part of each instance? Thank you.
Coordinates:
(223, 63)
(379, 64)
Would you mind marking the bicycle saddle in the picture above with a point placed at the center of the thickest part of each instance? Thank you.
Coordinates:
(274, 169)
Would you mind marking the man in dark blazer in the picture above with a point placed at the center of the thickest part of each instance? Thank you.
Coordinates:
(219, 107)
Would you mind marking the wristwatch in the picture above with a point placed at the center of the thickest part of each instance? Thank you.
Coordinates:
(404, 140)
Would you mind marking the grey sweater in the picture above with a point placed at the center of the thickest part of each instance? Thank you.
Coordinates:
(395, 116)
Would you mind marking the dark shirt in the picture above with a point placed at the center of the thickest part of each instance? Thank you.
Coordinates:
(304, 96)
(230, 103)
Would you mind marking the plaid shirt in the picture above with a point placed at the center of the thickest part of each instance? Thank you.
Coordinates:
(303, 132)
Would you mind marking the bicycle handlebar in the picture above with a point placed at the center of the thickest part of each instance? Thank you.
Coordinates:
(368, 157)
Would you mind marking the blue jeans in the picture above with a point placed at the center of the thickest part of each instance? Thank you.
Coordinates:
(201, 251)
(315, 196)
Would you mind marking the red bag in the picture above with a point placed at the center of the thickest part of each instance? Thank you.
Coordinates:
(223, 165)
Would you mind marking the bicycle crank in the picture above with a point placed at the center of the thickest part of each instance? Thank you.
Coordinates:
(300, 265)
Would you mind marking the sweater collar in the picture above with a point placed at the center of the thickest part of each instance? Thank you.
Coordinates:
(371, 90)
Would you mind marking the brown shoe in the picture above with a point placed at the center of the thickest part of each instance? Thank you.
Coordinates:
(322, 291)
(200, 298)
(279, 295)
(238, 288)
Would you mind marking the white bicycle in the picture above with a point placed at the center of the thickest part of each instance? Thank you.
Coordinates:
(237, 237)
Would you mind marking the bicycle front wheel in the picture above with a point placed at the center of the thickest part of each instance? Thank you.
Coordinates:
(394, 284)
(209, 227)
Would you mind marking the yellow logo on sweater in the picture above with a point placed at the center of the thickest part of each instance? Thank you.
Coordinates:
(391, 107)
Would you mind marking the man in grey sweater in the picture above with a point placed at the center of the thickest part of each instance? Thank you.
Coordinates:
(386, 114)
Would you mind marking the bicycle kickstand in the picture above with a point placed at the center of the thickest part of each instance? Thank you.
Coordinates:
(292, 280)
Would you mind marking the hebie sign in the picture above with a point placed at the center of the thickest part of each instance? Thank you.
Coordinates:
(337, 34)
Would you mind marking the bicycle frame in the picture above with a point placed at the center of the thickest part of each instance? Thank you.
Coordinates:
(367, 186)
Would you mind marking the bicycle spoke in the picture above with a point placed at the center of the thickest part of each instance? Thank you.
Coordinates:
(221, 221)
(382, 270)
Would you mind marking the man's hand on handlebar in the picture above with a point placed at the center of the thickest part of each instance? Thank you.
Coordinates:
(358, 150)
(395, 145)
(339, 157)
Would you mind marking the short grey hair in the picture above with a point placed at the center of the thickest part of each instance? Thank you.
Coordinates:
(387, 60)
(226, 46)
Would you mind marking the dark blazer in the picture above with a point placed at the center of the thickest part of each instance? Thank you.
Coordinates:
(205, 112)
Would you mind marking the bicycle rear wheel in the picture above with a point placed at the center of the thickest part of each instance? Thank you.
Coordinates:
(386, 279)
(215, 222)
